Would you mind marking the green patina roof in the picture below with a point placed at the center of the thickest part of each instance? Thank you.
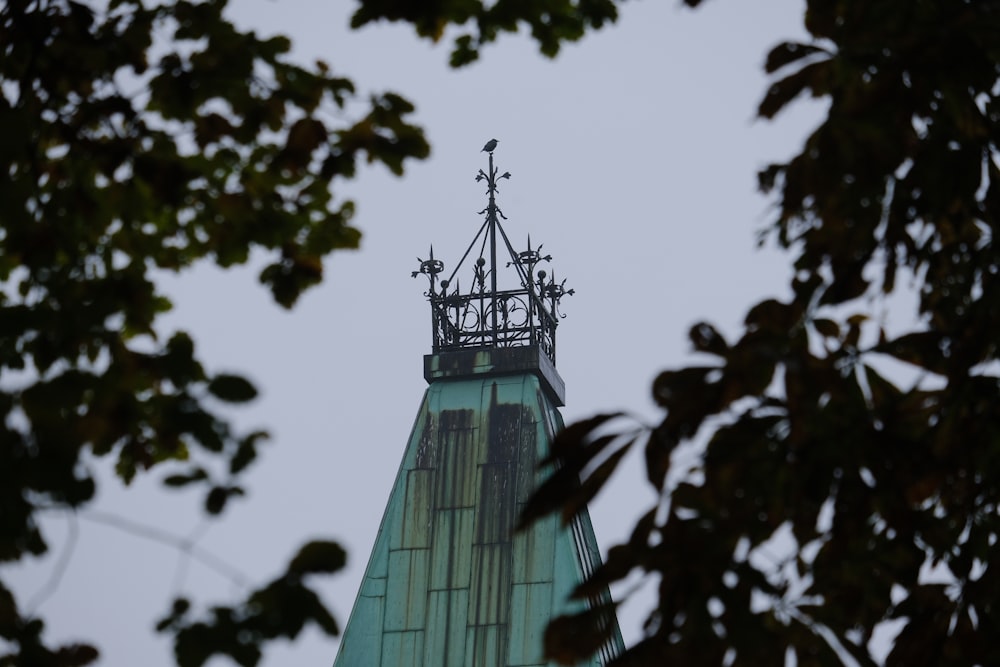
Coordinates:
(448, 583)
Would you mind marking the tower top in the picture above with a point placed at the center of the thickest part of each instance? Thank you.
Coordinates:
(450, 582)
(509, 302)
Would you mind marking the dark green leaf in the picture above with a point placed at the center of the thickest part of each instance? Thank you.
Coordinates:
(217, 498)
(76, 655)
(922, 349)
(814, 77)
(572, 437)
(559, 488)
(706, 338)
(232, 388)
(178, 610)
(178, 480)
(318, 556)
(787, 53)
(827, 328)
(246, 452)
(569, 637)
(659, 448)
(593, 483)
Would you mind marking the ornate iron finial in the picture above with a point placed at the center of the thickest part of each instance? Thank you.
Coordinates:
(430, 268)
(517, 308)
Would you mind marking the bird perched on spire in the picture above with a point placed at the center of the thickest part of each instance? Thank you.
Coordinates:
(490, 146)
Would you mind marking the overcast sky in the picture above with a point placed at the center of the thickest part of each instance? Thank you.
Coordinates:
(633, 157)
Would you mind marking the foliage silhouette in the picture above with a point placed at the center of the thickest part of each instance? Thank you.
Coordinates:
(814, 444)
(140, 137)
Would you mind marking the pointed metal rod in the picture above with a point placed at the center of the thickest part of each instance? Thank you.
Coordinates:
(493, 244)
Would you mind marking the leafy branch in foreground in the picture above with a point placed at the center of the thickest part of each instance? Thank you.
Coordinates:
(137, 138)
(280, 609)
(551, 23)
(850, 471)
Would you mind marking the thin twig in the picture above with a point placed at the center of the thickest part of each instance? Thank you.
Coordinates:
(180, 574)
(59, 570)
(186, 546)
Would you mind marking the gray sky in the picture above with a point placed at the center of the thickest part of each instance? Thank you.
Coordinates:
(633, 157)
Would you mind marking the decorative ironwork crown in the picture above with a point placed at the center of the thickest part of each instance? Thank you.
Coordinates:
(518, 308)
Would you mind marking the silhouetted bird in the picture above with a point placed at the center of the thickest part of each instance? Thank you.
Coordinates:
(490, 145)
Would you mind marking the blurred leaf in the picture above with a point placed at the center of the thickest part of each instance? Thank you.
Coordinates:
(788, 52)
(232, 388)
(570, 440)
(813, 77)
(659, 448)
(306, 135)
(318, 556)
(922, 349)
(177, 612)
(218, 496)
(178, 480)
(707, 339)
(568, 637)
(593, 483)
(246, 452)
(827, 328)
(773, 316)
(560, 488)
(75, 655)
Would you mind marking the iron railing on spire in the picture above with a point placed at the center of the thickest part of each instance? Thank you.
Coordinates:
(491, 314)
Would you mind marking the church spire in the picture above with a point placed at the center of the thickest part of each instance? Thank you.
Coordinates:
(450, 583)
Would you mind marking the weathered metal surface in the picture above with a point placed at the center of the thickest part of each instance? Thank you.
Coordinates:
(448, 582)
(497, 361)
